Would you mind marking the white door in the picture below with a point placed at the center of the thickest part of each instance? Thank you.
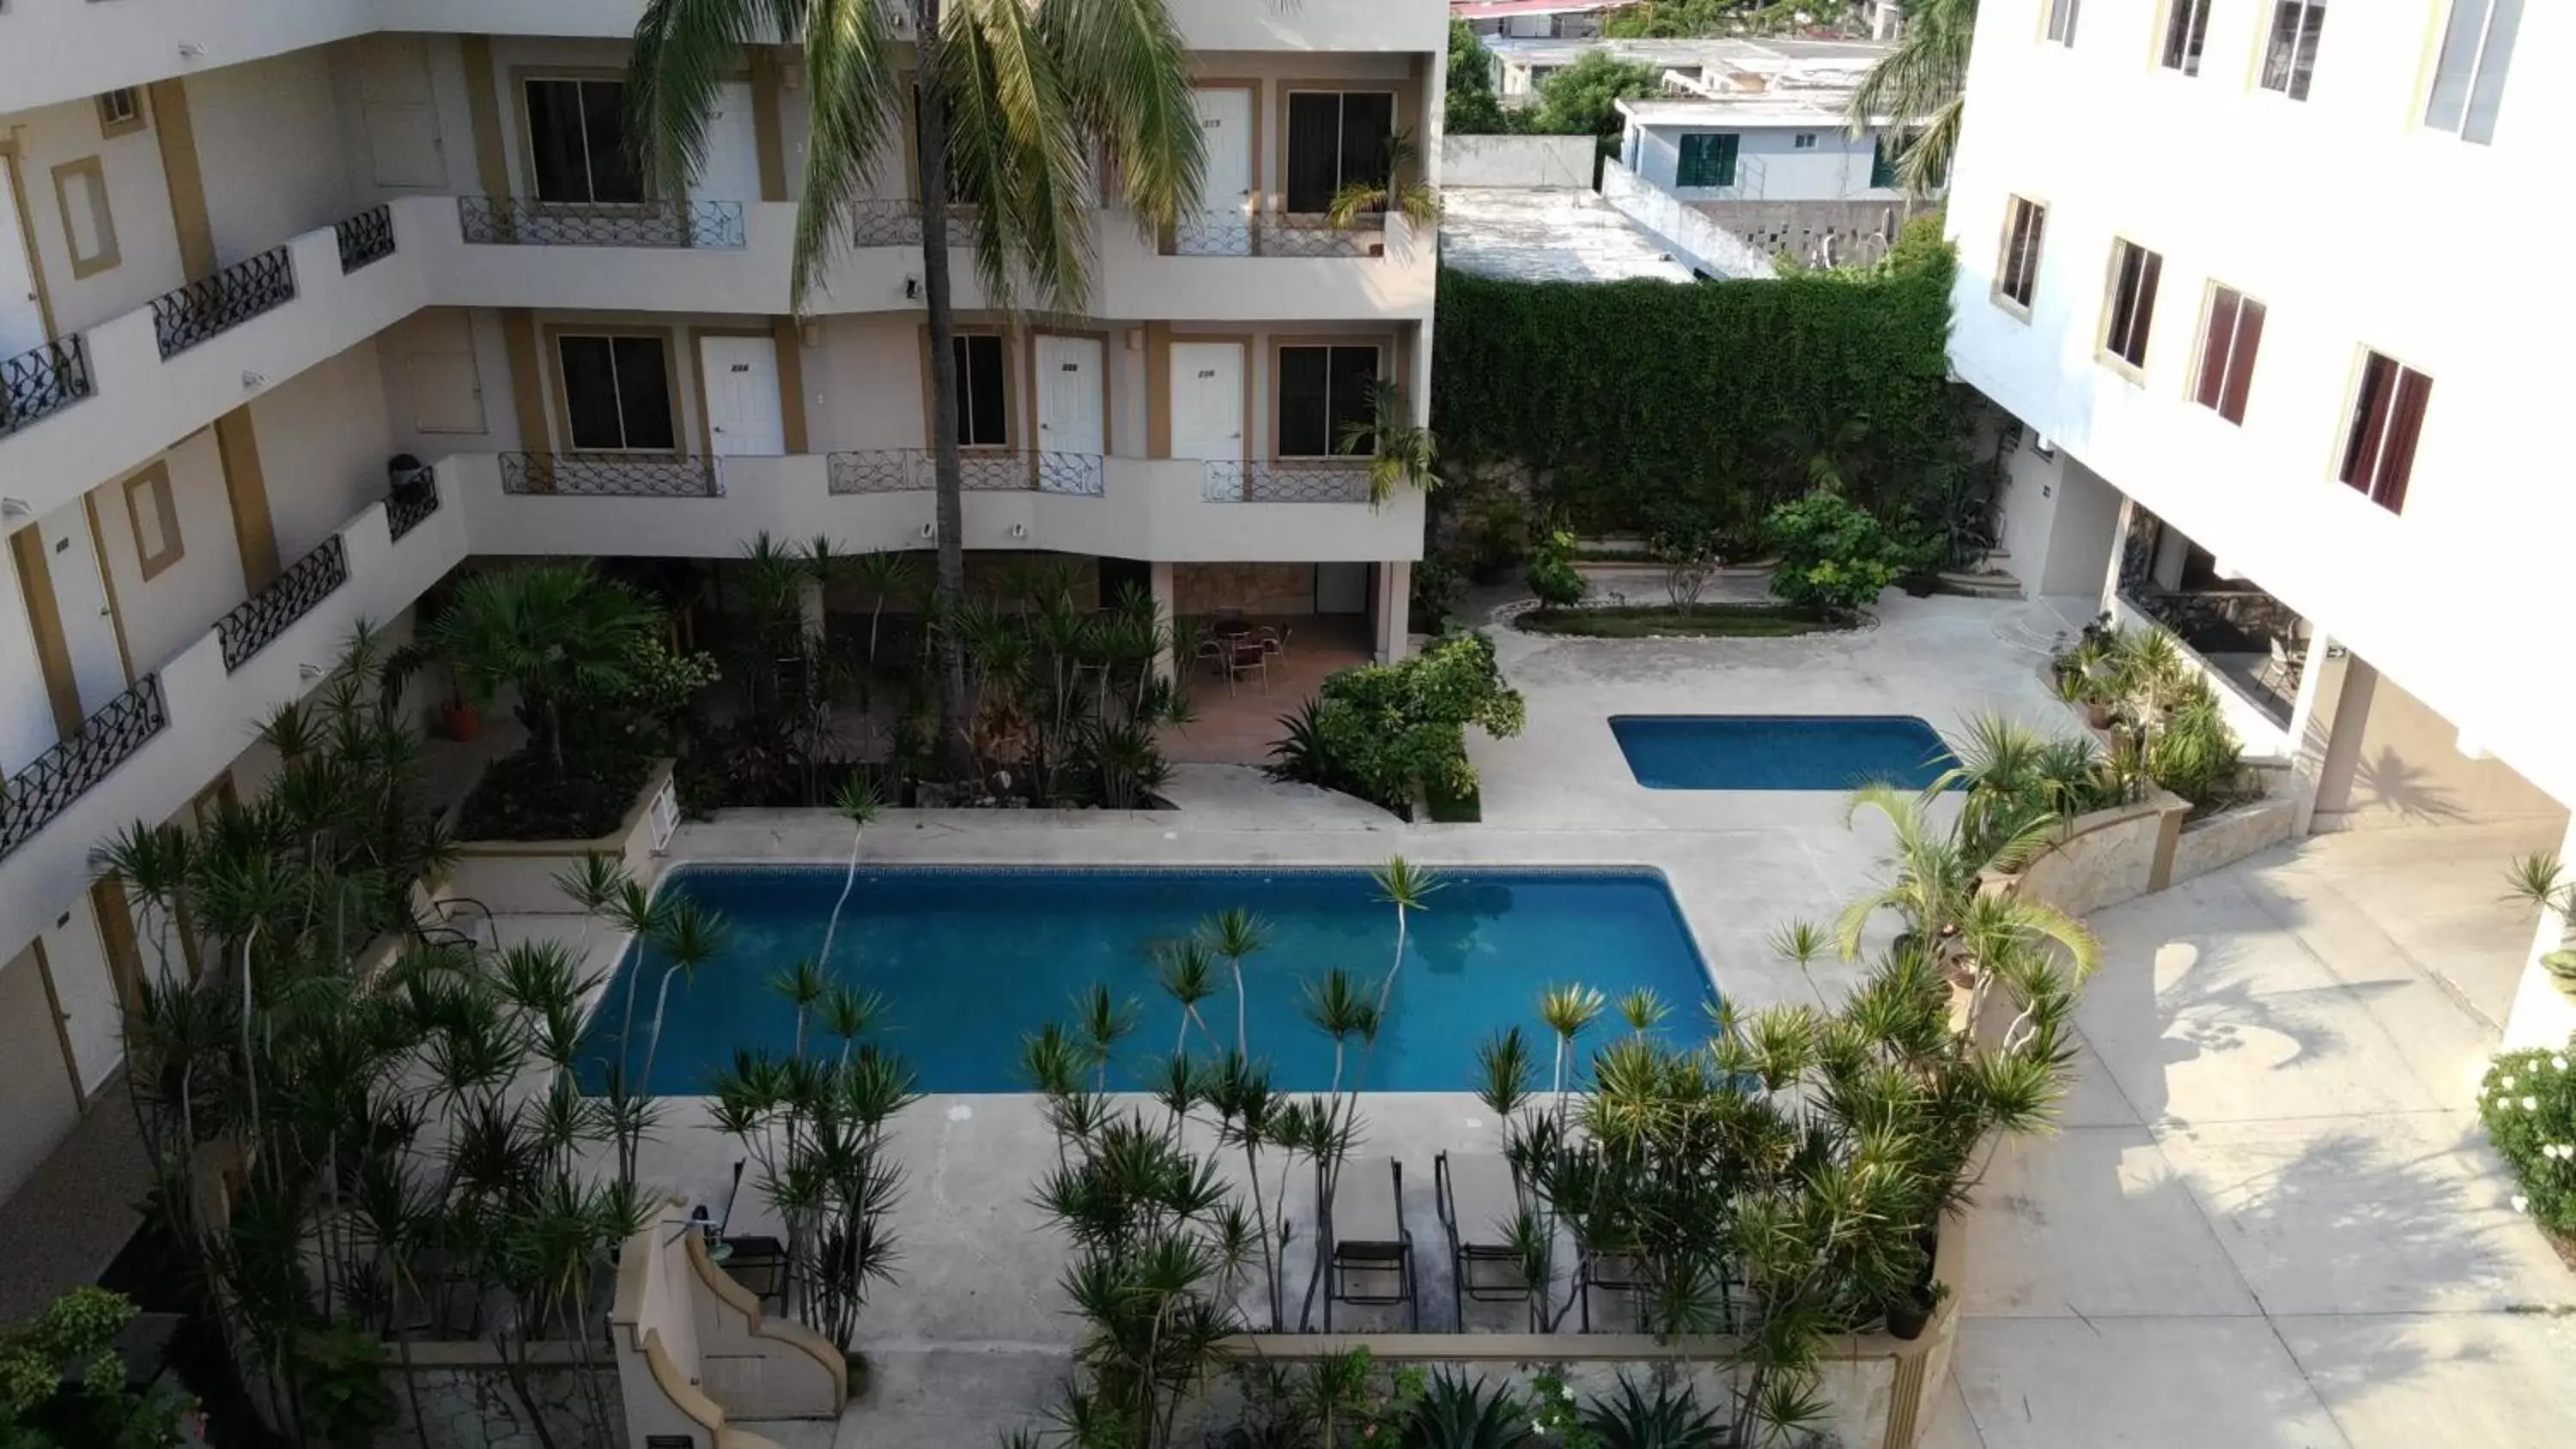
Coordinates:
(1071, 415)
(742, 396)
(401, 112)
(22, 322)
(731, 170)
(1207, 400)
(34, 1080)
(1225, 132)
(80, 596)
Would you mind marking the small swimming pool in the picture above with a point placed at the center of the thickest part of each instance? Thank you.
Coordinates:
(1779, 751)
(971, 960)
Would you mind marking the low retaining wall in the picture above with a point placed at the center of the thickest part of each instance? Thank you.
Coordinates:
(2107, 857)
(516, 877)
(467, 1401)
(1516, 161)
(2228, 836)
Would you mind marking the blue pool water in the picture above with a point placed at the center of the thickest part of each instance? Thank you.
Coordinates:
(969, 961)
(1779, 751)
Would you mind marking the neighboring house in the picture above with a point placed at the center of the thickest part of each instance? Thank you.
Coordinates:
(1755, 149)
(249, 250)
(1535, 19)
(1521, 65)
(2319, 452)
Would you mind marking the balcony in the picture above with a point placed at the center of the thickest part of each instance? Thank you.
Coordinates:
(611, 475)
(41, 381)
(142, 756)
(1149, 508)
(524, 221)
(1275, 234)
(212, 306)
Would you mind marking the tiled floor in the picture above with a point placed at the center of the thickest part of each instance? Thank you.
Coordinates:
(1236, 724)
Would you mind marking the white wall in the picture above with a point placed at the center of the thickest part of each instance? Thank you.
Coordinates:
(171, 609)
(1769, 165)
(271, 150)
(2103, 136)
(26, 713)
(147, 243)
(1516, 161)
(323, 441)
(33, 1080)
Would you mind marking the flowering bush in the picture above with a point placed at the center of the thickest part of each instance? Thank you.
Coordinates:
(2528, 1103)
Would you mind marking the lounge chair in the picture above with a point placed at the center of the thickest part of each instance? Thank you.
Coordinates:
(1365, 1242)
(1479, 1203)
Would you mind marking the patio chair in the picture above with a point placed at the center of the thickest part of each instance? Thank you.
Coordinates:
(452, 921)
(1478, 1203)
(2281, 671)
(1364, 1242)
(1211, 650)
(1275, 640)
(1247, 659)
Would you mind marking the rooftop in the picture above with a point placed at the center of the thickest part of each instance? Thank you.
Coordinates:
(1548, 235)
(1496, 9)
(1790, 58)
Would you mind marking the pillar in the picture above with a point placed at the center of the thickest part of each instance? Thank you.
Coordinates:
(2543, 1016)
(1159, 581)
(2312, 720)
(1393, 610)
(809, 606)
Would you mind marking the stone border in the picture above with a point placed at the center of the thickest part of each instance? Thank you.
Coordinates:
(516, 877)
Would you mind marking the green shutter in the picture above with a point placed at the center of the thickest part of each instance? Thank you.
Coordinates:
(1692, 163)
(1707, 159)
(1882, 166)
(1726, 160)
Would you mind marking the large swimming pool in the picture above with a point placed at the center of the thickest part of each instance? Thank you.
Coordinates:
(970, 960)
(1780, 751)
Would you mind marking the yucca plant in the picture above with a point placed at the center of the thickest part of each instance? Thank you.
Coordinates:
(1408, 888)
(1669, 1420)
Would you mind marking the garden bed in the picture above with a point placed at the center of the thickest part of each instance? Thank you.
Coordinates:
(517, 874)
(1700, 621)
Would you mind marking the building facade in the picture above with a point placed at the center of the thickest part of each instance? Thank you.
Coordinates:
(2294, 426)
(249, 253)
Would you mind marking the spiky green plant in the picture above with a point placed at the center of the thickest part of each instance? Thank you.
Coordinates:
(1408, 888)
(1235, 934)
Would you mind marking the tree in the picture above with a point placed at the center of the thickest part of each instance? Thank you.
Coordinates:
(1009, 101)
(558, 632)
(1917, 91)
(1582, 99)
(1473, 108)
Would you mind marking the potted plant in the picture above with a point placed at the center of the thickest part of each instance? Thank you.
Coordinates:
(1910, 1312)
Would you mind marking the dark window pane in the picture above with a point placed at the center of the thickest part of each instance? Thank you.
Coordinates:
(1314, 149)
(2369, 421)
(2240, 361)
(613, 176)
(2186, 26)
(2142, 315)
(590, 392)
(1305, 406)
(1368, 118)
(1353, 388)
(554, 141)
(2215, 347)
(644, 393)
(2406, 421)
(983, 419)
(2290, 51)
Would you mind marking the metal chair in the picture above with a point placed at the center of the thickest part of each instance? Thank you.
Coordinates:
(1364, 1238)
(1479, 1202)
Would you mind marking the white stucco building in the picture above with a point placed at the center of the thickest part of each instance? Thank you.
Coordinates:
(251, 249)
(2247, 275)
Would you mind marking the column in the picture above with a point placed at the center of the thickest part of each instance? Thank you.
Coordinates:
(2543, 1016)
(809, 606)
(2312, 718)
(1393, 610)
(1158, 579)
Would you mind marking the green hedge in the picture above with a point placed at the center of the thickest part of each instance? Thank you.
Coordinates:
(1627, 397)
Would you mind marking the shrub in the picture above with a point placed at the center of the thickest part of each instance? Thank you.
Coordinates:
(1551, 572)
(2528, 1103)
(526, 797)
(1390, 732)
(1833, 553)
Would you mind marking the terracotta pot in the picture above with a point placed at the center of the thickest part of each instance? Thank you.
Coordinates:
(2097, 714)
(458, 721)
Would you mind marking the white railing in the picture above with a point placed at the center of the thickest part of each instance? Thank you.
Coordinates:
(1699, 241)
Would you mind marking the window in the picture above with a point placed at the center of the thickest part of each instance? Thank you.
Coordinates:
(617, 393)
(2290, 51)
(2468, 83)
(1882, 166)
(1336, 139)
(2061, 21)
(1707, 159)
(154, 515)
(2227, 351)
(577, 141)
(2186, 27)
(983, 391)
(2387, 414)
(2017, 280)
(89, 227)
(1322, 391)
(120, 111)
(2134, 271)
(1803, 141)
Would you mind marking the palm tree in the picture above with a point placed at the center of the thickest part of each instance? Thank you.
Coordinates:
(1009, 100)
(558, 631)
(691, 937)
(1417, 200)
(857, 805)
(1918, 88)
(1400, 451)
(1235, 933)
(1408, 888)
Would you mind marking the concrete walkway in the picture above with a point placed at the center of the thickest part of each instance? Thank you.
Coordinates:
(2271, 1217)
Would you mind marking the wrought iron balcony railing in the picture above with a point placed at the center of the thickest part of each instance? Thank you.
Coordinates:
(211, 306)
(526, 221)
(411, 504)
(273, 610)
(1276, 234)
(42, 381)
(1317, 480)
(914, 470)
(33, 797)
(885, 224)
(611, 475)
(366, 237)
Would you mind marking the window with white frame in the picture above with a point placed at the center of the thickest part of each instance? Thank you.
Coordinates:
(2017, 272)
(2290, 48)
(2468, 80)
(2061, 21)
(2227, 350)
(2134, 274)
(2387, 418)
(2186, 30)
